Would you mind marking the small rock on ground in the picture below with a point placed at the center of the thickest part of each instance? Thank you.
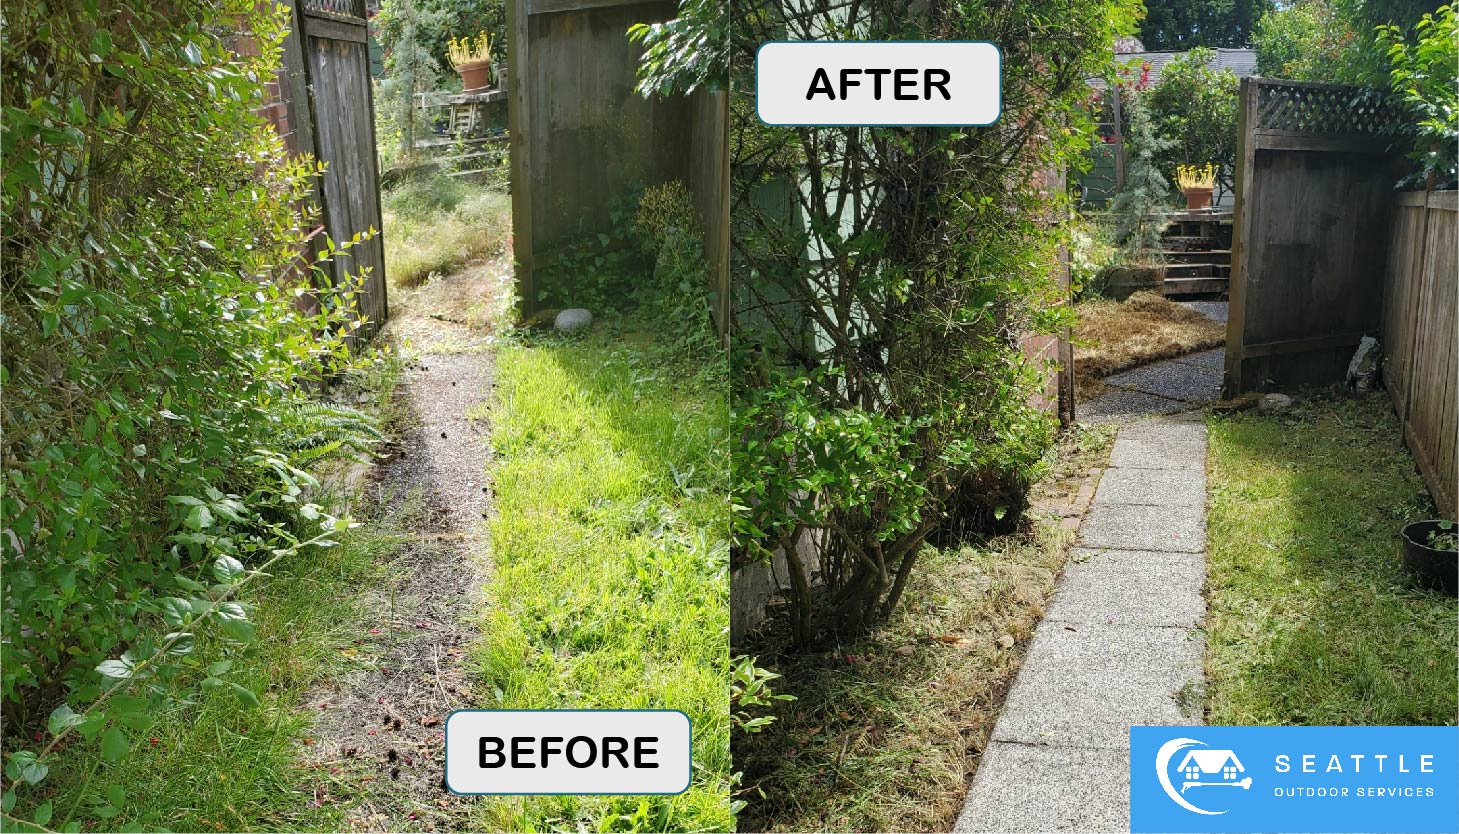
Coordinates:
(1274, 403)
(572, 319)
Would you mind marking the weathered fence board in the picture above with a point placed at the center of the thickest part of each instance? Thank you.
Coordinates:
(1326, 253)
(327, 95)
(1313, 197)
(708, 180)
(1421, 368)
(582, 137)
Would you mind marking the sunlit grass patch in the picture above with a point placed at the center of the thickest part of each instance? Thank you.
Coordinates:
(610, 554)
(441, 225)
(217, 764)
(1313, 620)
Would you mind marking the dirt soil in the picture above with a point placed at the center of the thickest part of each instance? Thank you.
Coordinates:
(378, 742)
(1115, 336)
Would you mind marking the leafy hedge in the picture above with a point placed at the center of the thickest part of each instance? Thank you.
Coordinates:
(884, 280)
(157, 367)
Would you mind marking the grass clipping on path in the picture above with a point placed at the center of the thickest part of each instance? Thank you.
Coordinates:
(610, 549)
(1313, 619)
(1114, 336)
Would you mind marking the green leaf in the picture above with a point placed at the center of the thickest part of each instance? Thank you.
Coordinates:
(121, 669)
(34, 772)
(227, 569)
(114, 744)
(7, 802)
(63, 718)
(189, 584)
(241, 630)
(245, 695)
(200, 518)
(42, 813)
(219, 667)
(183, 642)
(126, 704)
(176, 611)
(139, 721)
(116, 795)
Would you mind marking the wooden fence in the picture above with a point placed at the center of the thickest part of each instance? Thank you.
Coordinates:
(1420, 342)
(582, 138)
(1325, 252)
(1314, 184)
(323, 106)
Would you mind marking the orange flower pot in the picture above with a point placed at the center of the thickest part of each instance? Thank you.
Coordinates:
(1197, 198)
(475, 75)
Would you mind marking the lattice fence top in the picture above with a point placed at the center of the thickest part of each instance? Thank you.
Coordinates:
(1323, 110)
(352, 8)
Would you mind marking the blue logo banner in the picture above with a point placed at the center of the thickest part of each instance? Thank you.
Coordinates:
(1294, 779)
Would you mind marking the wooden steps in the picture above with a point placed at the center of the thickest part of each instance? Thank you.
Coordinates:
(1188, 243)
(1221, 257)
(1205, 285)
(1194, 263)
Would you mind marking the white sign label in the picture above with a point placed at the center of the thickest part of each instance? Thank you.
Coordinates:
(894, 83)
(567, 752)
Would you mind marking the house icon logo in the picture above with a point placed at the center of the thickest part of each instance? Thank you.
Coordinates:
(1200, 767)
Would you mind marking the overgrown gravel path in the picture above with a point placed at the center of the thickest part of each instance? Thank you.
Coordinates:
(377, 744)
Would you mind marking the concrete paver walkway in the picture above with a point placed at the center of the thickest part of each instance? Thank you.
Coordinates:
(1120, 644)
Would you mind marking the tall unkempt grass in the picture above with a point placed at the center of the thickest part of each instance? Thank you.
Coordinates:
(212, 763)
(610, 556)
(437, 224)
(1313, 620)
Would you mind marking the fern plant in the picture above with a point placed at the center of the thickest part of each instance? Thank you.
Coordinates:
(311, 431)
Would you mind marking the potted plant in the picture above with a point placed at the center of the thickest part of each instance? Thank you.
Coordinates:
(472, 59)
(1197, 183)
(1431, 550)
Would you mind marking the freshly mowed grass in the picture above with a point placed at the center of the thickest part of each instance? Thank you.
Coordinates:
(439, 225)
(610, 555)
(1114, 336)
(216, 764)
(886, 730)
(1313, 619)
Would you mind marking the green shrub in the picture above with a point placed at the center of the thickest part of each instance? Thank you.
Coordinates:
(667, 229)
(157, 366)
(1194, 107)
(1421, 75)
(648, 266)
(1139, 210)
(1091, 256)
(885, 278)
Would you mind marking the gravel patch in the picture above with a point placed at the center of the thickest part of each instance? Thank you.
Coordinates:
(1119, 405)
(1215, 310)
(378, 741)
(1172, 380)
(1212, 360)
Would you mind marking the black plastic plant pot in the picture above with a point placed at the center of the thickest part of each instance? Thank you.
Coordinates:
(1437, 569)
